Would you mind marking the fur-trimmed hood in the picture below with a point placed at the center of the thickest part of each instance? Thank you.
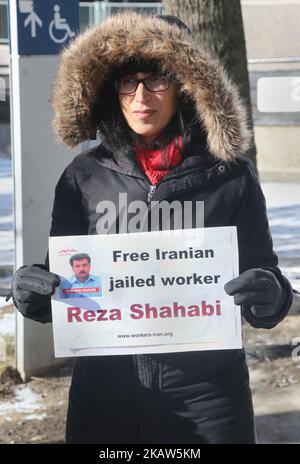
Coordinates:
(95, 54)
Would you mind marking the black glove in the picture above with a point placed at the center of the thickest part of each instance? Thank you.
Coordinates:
(258, 291)
(31, 290)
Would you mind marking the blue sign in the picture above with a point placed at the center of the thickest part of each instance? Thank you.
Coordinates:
(45, 26)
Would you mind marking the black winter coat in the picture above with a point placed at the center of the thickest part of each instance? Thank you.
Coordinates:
(191, 397)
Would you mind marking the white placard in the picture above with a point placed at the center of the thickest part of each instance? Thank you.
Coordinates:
(144, 292)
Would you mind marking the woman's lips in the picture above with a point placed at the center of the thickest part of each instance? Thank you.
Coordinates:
(144, 114)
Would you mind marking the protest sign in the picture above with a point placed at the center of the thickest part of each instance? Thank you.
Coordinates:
(144, 292)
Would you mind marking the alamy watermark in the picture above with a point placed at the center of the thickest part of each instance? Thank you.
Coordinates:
(296, 350)
(140, 216)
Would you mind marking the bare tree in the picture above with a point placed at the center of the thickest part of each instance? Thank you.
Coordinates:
(217, 26)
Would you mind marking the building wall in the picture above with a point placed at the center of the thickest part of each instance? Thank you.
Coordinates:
(271, 28)
(278, 152)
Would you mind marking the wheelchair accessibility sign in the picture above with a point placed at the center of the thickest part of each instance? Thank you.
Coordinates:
(45, 26)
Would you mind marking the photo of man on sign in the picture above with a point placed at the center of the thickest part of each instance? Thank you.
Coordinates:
(81, 283)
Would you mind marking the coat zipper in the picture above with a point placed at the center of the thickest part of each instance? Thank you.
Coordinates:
(151, 192)
(152, 188)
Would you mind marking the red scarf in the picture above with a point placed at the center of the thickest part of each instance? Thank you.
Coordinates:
(157, 163)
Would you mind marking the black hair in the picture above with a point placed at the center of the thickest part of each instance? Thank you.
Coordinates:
(175, 20)
(80, 256)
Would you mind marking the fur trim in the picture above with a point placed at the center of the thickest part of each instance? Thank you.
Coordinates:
(95, 54)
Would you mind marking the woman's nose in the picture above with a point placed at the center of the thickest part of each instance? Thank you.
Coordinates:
(141, 92)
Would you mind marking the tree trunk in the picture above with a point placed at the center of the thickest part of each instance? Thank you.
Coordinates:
(217, 26)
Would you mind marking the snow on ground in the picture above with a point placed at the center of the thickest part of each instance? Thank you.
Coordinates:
(2, 301)
(25, 400)
(6, 223)
(283, 205)
(36, 416)
(7, 324)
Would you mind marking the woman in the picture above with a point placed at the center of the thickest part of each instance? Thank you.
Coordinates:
(172, 127)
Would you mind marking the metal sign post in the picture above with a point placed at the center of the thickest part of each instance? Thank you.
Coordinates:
(38, 31)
